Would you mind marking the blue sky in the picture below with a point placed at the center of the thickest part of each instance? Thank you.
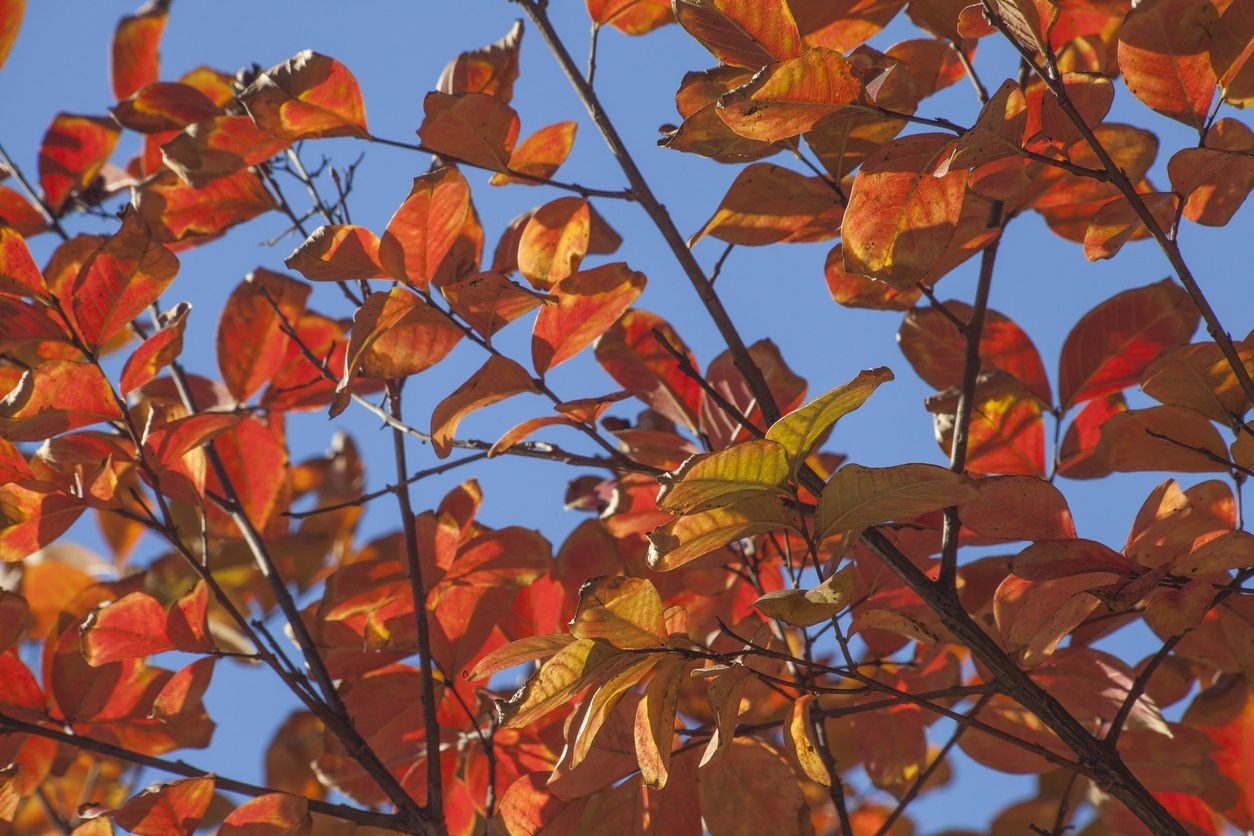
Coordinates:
(397, 49)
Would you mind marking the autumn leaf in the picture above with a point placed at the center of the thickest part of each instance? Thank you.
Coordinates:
(499, 378)
(72, 153)
(269, 815)
(791, 97)
(808, 607)
(218, 147)
(539, 156)
(1164, 55)
(902, 212)
(337, 252)
(689, 537)
(163, 106)
(799, 431)
(631, 17)
(742, 33)
(176, 807)
(423, 231)
(309, 96)
(252, 345)
(588, 303)
(857, 497)
(134, 61)
(474, 128)
(492, 69)
(768, 204)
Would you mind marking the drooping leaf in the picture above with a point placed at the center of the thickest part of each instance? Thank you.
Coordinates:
(489, 301)
(499, 378)
(801, 744)
(1118, 222)
(163, 106)
(572, 668)
(309, 96)
(654, 728)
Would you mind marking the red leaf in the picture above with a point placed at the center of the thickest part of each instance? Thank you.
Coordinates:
(252, 346)
(1077, 457)
(218, 147)
(1164, 55)
(163, 106)
(275, 814)
(11, 12)
(539, 155)
(18, 273)
(308, 96)
(32, 517)
(631, 17)
(56, 397)
(337, 253)
(156, 352)
(120, 280)
(183, 693)
(130, 628)
(72, 153)
(1113, 343)
(632, 355)
(19, 214)
(163, 809)
(134, 60)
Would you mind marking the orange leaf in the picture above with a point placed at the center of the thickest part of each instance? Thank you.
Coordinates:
(1007, 432)
(1216, 179)
(163, 106)
(631, 17)
(1131, 441)
(743, 33)
(588, 303)
(72, 153)
(1112, 344)
(496, 380)
(768, 204)
(217, 147)
(252, 345)
(163, 809)
(1019, 508)
(18, 273)
(632, 354)
(842, 24)
(309, 96)
(16, 212)
(11, 12)
(421, 337)
(554, 241)
(423, 230)
(489, 301)
(337, 253)
(130, 628)
(1230, 53)
(539, 155)
(474, 128)
(180, 214)
(901, 214)
(120, 280)
(1118, 222)
(791, 97)
(275, 814)
(1077, 458)
(854, 291)
(1164, 55)
(156, 352)
(492, 69)
(32, 517)
(134, 61)
(56, 397)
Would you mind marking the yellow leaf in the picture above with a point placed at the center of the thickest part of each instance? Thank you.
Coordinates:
(894, 622)
(602, 703)
(655, 722)
(711, 480)
(519, 652)
(857, 497)
(807, 607)
(571, 669)
(687, 538)
(801, 429)
(626, 612)
(800, 743)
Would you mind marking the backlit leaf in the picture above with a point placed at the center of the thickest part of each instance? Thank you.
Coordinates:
(626, 612)
(768, 204)
(1164, 55)
(798, 431)
(687, 538)
(176, 807)
(791, 97)
(588, 303)
(274, 814)
(134, 61)
(337, 253)
(808, 607)
(307, 97)
(493, 69)
(252, 346)
(424, 229)
(738, 472)
(857, 497)
(475, 128)
(72, 153)
(539, 155)
(743, 33)
(496, 380)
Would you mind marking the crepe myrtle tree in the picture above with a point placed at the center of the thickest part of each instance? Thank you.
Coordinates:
(744, 634)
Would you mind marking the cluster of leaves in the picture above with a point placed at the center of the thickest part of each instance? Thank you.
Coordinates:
(746, 634)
